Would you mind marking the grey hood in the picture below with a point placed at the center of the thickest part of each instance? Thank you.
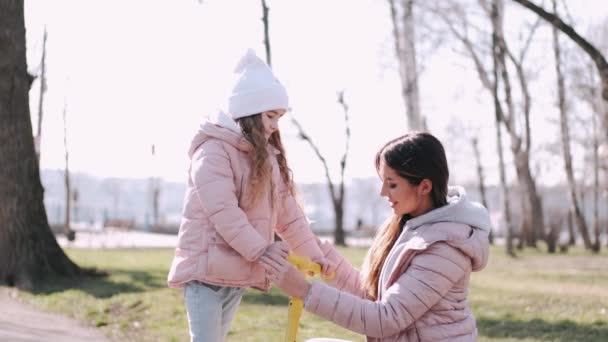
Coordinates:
(452, 224)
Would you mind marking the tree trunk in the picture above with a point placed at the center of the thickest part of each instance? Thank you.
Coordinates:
(337, 198)
(496, 20)
(155, 185)
(404, 36)
(565, 130)
(536, 209)
(67, 229)
(596, 188)
(571, 232)
(38, 138)
(266, 33)
(339, 237)
(28, 249)
(481, 179)
(519, 144)
(525, 226)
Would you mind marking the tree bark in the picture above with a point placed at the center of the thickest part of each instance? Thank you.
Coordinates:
(571, 232)
(481, 179)
(67, 229)
(404, 36)
(266, 33)
(41, 99)
(28, 249)
(596, 188)
(520, 144)
(337, 196)
(496, 20)
(565, 135)
(522, 165)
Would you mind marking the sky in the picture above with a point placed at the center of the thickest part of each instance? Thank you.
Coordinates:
(134, 73)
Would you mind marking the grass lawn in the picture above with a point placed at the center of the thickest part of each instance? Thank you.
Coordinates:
(535, 297)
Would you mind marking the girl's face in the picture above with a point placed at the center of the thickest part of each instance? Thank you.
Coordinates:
(270, 119)
(404, 197)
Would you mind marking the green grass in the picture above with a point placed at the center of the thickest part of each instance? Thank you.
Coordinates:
(535, 297)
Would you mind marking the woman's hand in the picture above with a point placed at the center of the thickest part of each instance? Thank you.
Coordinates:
(328, 268)
(292, 282)
(274, 258)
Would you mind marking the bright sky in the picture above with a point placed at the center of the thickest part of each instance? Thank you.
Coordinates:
(135, 72)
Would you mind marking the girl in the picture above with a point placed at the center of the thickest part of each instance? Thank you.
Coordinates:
(239, 193)
(416, 276)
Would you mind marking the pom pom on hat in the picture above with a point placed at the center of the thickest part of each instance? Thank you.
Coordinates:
(249, 58)
(256, 89)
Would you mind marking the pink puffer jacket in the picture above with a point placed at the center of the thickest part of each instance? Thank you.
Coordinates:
(423, 285)
(221, 235)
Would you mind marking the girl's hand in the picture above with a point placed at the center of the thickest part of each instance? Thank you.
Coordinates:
(327, 267)
(292, 282)
(274, 259)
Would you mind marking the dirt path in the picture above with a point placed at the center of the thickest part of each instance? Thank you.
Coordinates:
(21, 322)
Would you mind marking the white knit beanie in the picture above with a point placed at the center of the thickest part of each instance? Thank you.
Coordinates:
(256, 89)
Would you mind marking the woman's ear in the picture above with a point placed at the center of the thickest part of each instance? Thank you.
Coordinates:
(425, 187)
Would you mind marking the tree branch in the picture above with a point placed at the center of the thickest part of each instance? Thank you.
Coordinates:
(347, 133)
(592, 51)
(302, 135)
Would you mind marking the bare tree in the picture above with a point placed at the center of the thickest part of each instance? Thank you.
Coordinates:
(565, 135)
(596, 56)
(586, 89)
(596, 246)
(28, 250)
(266, 32)
(480, 177)
(520, 138)
(38, 138)
(404, 36)
(495, 12)
(337, 195)
(155, 192)
(496, 17)
(67, 229)
(468, 133)
(533, 218)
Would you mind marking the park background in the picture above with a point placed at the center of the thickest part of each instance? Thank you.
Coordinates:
(119, 88)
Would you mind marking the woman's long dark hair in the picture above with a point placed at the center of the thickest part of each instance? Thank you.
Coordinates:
(415, 156)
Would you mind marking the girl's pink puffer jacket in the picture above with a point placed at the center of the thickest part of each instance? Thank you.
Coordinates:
(221, 235)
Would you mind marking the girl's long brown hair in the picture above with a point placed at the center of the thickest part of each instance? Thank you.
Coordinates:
(261, 168)
(415, 156)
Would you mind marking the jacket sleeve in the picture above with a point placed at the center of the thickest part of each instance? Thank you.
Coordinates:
(213, 180)
(293, 227)
(347, 278)
(429, 277)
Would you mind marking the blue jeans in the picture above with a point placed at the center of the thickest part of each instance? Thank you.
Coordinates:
(211, 309)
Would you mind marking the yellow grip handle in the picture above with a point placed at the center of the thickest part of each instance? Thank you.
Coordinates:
(304, 265)
(294, 313)
(296, 305)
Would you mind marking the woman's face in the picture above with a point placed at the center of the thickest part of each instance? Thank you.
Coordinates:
(270, 119)
(404, 197)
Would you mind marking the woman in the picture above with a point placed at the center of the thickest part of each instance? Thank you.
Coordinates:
(414, 286)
